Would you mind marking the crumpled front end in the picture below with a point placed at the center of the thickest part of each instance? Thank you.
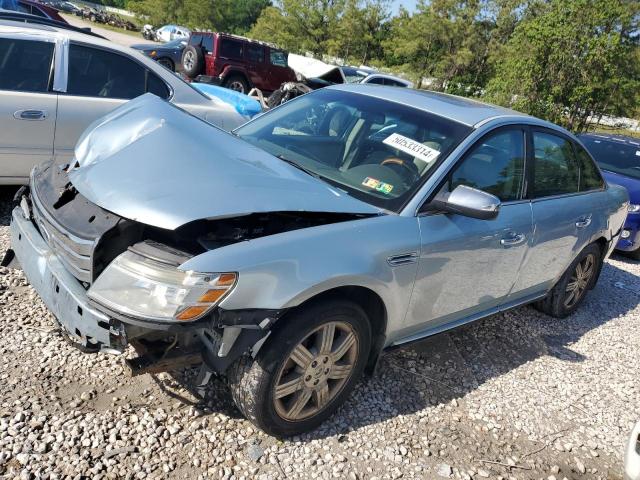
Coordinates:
(112, 281)
(65, 244)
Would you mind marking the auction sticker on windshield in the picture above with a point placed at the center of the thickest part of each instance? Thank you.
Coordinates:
(411, 147)
(377, 185)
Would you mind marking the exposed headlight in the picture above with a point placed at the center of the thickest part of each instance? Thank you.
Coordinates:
(633, 208)
(151, 290)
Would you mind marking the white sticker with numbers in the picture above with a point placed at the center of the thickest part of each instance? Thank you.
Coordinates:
(411, 147)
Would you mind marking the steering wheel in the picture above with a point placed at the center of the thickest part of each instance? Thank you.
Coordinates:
(405, 168)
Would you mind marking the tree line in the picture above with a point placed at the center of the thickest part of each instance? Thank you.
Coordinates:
(562, 60)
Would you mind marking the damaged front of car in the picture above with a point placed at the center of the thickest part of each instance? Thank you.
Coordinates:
(146, 233)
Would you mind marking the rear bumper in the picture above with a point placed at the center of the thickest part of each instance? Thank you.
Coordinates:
(63, 295)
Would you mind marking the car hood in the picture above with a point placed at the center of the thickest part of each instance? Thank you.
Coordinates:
(152, 162)
(631, 184)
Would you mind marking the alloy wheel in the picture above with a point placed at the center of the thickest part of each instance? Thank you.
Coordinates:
(579, 281)
(189, 60)
(315, 371)
(237, 86)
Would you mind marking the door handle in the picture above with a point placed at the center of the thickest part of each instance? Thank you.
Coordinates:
(30, 115)
(513, 239)
(584, 221)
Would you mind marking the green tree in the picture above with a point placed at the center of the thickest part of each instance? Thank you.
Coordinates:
(573, 59)
(233, 16)
(300, 25)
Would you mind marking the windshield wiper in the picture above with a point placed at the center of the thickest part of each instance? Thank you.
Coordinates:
(299, 167)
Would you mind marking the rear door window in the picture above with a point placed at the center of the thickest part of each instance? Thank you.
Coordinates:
(556, 169)
(590, 178)
(195, 39)
(95, 72)
(25, 65)
(207, 43)
(376, 81)
(278, 58)
(255, 53)
(231, 49)
(157, 86)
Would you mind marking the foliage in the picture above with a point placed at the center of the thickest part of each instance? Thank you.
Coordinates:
(233, 16)
(574, 59)
(562, 60)
(348, 29)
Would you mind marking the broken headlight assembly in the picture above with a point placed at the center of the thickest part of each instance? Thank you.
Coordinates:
(150, 290)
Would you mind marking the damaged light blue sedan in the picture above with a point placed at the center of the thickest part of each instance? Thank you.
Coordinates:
(289, 254)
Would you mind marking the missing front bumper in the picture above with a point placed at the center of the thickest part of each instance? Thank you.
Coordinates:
(63, 295)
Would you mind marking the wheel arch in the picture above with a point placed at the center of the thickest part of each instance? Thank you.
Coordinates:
(234, 71)
(371, 303)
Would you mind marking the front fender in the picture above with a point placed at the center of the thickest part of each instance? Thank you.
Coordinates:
(284, 270)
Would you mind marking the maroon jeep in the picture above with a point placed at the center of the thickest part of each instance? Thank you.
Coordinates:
(235, 62)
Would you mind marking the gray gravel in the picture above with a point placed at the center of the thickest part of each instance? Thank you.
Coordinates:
(518, 395)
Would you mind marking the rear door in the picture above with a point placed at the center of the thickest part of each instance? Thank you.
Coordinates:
(99, 80)
(27, 106)
(566, 197)
(257, 68)
(278, 68)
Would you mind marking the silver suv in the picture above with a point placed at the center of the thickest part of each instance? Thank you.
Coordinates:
(289, 254)
(54, 82)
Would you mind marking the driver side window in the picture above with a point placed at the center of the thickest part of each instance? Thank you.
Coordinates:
(495, 165)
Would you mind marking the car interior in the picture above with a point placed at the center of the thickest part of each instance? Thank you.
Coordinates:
(340, 140)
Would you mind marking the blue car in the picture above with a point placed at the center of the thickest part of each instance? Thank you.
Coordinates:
(619, 158)
(167, 54)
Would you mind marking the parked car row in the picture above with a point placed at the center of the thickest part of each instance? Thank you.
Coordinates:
(288, 254)
(44, 114)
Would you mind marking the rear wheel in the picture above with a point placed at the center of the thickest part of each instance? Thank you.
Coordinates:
(305, 371)
(167, 63)
(237, 83)
(572, 287)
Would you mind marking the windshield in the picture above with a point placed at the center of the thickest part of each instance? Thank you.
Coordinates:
(376, 150)
(615, 156)
(352, 75)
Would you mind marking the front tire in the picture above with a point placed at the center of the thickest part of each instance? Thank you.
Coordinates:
(305, 371)
(577, 280)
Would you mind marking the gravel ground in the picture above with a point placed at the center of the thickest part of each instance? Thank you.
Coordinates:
(124, 39)
(516, 396)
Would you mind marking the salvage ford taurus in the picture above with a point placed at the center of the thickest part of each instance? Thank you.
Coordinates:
(290, 253)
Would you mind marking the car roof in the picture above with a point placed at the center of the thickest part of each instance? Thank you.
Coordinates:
(56, 32)
(463, 110)
(612, 137)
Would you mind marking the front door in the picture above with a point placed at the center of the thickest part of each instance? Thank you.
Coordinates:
(469, 266)
(28, 107)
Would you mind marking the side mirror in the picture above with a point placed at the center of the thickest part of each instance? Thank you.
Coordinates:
(467, 201)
